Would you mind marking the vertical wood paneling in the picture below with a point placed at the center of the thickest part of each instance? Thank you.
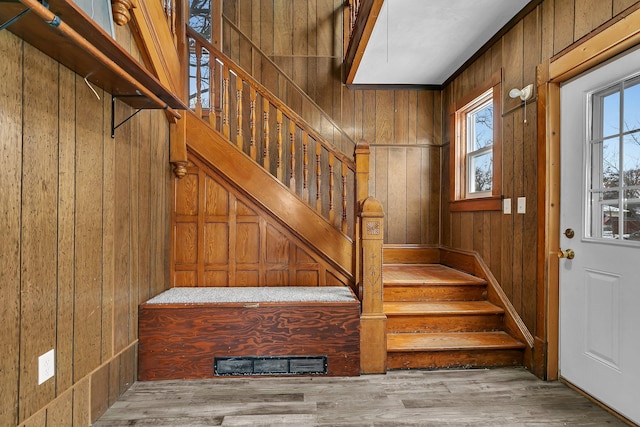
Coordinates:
(10, 221)
(38, 239)
(88, 244)
(396, 199)
(564, 13)
(414, 189)
(589, 14)
(66, 229)
(58, 189)
(122, 240)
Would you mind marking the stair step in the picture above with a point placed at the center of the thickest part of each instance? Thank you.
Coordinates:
(449, 316)
(452, 341)
(427, 274)
(439, 308)
(452, 350)
(430, 282)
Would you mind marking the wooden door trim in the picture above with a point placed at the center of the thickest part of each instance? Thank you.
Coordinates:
(584, 55)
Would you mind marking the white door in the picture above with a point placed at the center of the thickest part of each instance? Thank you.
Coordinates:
(600, 202)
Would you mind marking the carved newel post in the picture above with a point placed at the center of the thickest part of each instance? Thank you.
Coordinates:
(120, 9)
(373, 321)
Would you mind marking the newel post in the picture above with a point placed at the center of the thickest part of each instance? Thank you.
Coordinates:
(373, 321)
(361, 155)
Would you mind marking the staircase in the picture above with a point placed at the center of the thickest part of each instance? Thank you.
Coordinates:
(439, 317)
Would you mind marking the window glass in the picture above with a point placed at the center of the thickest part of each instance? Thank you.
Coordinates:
(615, 162)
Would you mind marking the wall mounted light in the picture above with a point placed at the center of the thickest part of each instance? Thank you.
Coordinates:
(524, 94)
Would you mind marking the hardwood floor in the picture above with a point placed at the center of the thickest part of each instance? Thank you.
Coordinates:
(493, 397)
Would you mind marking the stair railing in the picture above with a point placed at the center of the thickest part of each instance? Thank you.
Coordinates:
(274, 136)
(243, 51)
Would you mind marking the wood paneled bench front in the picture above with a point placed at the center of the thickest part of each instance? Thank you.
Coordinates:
(187, 333)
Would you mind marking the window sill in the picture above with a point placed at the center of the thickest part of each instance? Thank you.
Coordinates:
(493, 203)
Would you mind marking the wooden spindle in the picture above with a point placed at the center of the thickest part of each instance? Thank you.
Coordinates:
(279, 144)
(213, 102)
(344, 198)
(239, 136)
(266, 162)
(225, 102)
(292, 153)
(305, 166)
(252, 123)
(198, 80)
(332, 212)
(318, 177)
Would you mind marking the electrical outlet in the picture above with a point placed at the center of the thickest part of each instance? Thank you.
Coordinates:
(506, 206)
(522, 205)
(46, 366)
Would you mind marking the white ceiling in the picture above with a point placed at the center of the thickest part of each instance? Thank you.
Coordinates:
(423, 42)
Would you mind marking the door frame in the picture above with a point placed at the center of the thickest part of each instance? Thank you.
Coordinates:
(618, 35)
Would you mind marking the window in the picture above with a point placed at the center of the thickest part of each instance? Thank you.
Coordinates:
(475, 163)
(614, 145)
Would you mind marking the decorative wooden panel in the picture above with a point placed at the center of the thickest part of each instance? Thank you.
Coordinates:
(221, 238)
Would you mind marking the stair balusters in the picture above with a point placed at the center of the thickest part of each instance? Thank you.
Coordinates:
(239, 136)
(212, 76)
(266, 159)
(279, 144)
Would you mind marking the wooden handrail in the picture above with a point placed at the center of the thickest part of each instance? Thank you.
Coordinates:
(286, 110)
(319, 173)
(292, 84)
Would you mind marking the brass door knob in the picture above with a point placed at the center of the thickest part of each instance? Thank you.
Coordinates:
(567, 253)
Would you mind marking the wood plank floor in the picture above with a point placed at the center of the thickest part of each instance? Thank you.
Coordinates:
(482, 397)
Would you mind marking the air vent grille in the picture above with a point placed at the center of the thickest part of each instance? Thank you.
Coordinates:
(270, 365)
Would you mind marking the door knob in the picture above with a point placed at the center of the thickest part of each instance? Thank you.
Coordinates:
(567, 253)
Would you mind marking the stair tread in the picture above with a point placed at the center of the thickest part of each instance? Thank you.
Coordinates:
(423, 274)
(404, 342)
(399, 308)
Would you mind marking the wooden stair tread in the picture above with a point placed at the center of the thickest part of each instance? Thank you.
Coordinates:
(421, 274)
(402, 342)
(435, 308)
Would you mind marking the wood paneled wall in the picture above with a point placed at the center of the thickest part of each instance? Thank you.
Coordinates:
(85, 224)
(508, 242)
(404, 127)
(222, 238)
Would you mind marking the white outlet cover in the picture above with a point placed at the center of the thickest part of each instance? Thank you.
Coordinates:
(46, 366)
(522, 205)
(506, 206)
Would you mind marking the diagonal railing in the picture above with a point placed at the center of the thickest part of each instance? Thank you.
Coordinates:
(273, 135)
(243, 51)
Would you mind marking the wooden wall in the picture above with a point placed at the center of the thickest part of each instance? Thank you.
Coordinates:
(222, 238)
(508, 242)
(85, 237)
(304, 38)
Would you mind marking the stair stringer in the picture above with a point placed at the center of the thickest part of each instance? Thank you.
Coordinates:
(471, 262)
(269, 194)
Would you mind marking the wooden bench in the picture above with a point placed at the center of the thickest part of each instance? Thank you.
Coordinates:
(206, 332)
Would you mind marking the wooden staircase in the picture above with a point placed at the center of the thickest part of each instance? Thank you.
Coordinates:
(439, 317)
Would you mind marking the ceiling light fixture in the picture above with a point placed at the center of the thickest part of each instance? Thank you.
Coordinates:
(524, 94)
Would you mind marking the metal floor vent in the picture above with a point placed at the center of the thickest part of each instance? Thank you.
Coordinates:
(270, 365)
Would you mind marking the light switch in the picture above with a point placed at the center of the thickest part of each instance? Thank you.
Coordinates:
(522, 205)
(506, 206)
